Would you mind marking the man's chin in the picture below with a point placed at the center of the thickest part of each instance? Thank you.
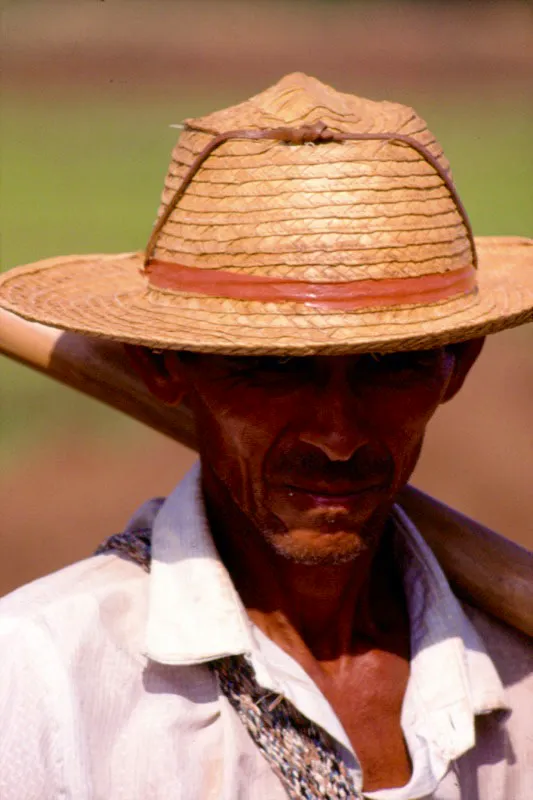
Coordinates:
(320, 547)
(334, 532)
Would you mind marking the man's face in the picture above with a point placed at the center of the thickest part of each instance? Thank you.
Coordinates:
(313, 450)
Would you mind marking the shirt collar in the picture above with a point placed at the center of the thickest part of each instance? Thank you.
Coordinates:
(452, 677)
(195, 613)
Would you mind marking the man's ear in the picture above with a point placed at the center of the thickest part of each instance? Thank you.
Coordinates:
(160, 371)
(465, 355)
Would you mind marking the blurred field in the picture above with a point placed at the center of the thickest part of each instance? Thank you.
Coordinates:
(83, 157)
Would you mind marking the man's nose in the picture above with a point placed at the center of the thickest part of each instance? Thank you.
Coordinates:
(332, 419)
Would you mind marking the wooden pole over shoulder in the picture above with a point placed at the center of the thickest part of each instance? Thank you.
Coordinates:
(484, 568)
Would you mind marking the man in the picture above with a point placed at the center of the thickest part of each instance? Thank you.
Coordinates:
(313, 289)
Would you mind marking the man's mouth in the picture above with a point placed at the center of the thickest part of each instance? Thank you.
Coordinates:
(332, 495)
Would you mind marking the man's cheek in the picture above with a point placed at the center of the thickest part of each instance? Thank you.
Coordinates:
(238, 456)
(405, 453)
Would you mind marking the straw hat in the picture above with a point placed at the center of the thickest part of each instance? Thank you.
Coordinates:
(300, 221)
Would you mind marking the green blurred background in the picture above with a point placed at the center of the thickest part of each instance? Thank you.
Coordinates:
(90, 90)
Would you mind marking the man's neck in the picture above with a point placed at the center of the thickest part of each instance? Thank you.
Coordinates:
(314, 612)
(346, 625)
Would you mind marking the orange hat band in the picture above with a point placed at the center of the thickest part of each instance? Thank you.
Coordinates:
(348, 295)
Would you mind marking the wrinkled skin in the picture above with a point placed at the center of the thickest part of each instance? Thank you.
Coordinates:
(314, 450)
(301, 460)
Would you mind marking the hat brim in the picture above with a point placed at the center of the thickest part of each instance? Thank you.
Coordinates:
(106, 296)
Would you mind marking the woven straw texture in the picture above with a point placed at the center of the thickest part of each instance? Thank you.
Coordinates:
(331, 212)
(317, 213)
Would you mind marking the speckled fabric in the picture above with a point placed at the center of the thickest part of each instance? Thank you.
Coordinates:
(300, 753)
(135, 545)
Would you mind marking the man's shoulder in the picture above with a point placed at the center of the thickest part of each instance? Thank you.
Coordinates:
(71, 603)
(96, 579)
(510, 650)
(501, 764)
(72, 647)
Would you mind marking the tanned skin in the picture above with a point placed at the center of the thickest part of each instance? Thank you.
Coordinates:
(302, 459)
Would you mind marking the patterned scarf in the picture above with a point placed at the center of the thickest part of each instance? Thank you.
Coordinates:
(300, 753)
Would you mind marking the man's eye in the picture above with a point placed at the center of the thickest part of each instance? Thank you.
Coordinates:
(255, 362)
(278, 364)
(408, 361)
(266, 365)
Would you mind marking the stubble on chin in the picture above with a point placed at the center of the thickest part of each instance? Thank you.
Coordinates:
(315, 546)
(328, 555)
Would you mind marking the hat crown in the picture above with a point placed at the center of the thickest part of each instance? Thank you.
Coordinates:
(328, 212)
(298, 99)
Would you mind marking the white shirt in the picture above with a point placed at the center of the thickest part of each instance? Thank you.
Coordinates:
(105, 690)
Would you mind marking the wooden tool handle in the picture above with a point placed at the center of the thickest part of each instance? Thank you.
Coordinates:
(483, 567)
(97, 367)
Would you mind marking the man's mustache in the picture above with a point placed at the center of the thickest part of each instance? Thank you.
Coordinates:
(309, 465)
